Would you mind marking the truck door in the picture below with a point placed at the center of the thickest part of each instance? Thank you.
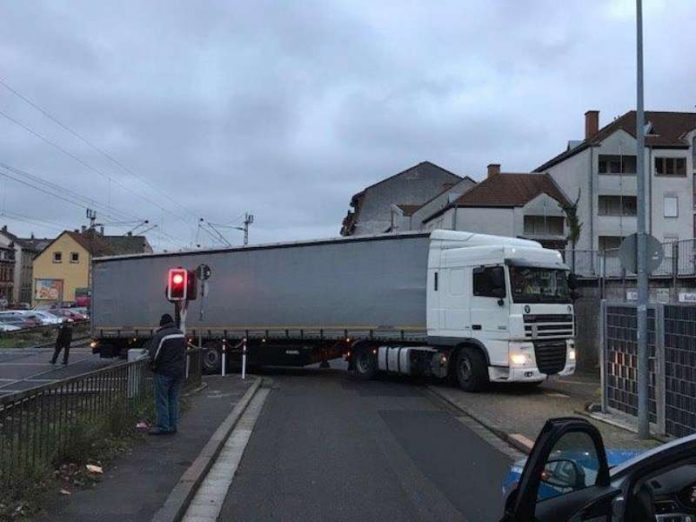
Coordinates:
(489, 311)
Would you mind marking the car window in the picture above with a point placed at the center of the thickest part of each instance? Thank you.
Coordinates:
(572, 465)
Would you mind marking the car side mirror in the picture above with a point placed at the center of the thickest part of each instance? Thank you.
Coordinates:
(563, 473)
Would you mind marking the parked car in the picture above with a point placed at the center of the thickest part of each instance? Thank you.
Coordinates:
(47, 317)
(68, 313)
(28, 320)
(7, 327)
(568, 477)
(14, 321)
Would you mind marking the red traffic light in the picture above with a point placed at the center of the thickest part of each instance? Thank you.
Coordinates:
(177, 284)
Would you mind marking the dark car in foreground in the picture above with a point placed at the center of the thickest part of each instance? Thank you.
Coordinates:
(568, 477)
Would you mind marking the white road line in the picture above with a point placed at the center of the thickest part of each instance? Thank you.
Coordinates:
(207, 502)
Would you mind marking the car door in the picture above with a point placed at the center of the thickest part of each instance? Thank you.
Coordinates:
(566, 477)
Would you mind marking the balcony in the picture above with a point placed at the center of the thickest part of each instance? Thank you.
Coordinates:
(615, 225)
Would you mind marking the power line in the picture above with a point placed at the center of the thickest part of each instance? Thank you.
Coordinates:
(56, 191)
(87, 165)
(91, 145)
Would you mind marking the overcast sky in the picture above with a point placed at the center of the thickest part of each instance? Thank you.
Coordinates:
(287, 108)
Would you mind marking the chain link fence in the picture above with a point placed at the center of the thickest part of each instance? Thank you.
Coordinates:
(672, 348)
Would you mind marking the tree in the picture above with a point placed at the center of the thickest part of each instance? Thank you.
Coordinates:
(574, 224)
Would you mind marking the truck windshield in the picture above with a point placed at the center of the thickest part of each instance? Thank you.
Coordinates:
(539, 285)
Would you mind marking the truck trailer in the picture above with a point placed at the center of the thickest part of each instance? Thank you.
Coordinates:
(473, 307)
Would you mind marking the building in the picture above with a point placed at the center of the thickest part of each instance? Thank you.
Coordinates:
(62, 271)
(601, 170)
(25, 250)
(7, 267)
(390, 203)
(508, 204)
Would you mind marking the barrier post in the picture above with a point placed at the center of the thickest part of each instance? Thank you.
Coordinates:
(224, 357)
(244, 357)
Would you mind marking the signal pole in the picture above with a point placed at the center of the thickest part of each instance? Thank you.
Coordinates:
(641, 244)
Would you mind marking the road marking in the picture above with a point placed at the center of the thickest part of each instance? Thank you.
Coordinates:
(557, 394)
(209, 498)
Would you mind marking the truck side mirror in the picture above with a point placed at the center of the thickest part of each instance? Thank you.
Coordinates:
(497, 279)
(572, 281)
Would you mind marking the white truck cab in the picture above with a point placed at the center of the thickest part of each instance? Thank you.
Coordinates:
(504, 303)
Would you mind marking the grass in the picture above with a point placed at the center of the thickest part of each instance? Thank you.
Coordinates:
(29, 487)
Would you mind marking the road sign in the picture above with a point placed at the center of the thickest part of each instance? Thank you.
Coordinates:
(628, 253)
(204, 272)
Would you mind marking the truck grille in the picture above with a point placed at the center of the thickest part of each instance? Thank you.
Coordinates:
(550, 356)
(548, 326)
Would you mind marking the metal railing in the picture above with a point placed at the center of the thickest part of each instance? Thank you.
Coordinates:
(679, 260)
(38, 426)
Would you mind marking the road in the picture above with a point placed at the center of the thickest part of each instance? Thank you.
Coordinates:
(22, 369)
(326, 447)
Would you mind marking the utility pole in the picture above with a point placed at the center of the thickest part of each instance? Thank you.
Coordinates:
(642, 315)
(248, 220)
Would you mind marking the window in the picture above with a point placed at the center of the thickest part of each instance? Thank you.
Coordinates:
(670, 166)
(543, 225)
(74, 257)
(618, 205)
(610, 243)
(610, 164)
(489, 281)
(57, 257)
(671, 206)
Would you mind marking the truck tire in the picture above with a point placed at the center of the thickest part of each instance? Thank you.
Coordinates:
(471, 369)
(364, 364)
(212, 360)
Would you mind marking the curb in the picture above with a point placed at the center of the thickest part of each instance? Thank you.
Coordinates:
(516, 440)
(174, 508)
(621, 425)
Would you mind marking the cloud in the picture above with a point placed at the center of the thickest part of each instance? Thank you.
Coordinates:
(288, 108)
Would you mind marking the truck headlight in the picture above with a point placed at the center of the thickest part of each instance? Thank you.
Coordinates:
(571, 354)
(519, 359)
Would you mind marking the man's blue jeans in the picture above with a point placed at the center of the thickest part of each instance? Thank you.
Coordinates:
(167, 401)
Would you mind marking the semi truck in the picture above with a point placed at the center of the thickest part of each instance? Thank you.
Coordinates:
(472, 307)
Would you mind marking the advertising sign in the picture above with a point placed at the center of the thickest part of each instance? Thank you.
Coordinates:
(48, 289)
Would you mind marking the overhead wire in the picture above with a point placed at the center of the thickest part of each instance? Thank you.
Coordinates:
(98, 149)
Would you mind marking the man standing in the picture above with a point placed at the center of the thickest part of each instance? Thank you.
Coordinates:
(167, 351)
(63, 342)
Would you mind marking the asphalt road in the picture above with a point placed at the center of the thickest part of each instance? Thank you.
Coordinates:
(327, 447)
(23, 369)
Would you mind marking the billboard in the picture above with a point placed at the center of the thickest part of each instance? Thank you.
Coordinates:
(48, 289)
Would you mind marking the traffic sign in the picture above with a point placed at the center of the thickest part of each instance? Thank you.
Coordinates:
(628, 253)
(204, 272)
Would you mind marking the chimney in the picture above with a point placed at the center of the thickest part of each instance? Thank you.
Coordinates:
(83, 229)
(493, 169)
(4, 228)
(591, 124)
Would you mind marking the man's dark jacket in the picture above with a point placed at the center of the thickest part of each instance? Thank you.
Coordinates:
(64, 336)
(168, 351)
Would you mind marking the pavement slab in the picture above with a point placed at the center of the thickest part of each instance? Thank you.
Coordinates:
(137, 483)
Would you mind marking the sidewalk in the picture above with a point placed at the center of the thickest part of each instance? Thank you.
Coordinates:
(510, 409)
(136, 484)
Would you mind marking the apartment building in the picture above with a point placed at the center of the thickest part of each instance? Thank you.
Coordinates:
(601, 169)
(508, 204)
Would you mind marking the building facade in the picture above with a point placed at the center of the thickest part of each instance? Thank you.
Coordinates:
(508, 204)
(62, 271)
(25, 250)
(7, 265)
(601, 171)
(386, 205)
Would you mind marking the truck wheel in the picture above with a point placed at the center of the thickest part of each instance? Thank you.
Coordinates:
(471, 370)
(212, 361)
(364, 364)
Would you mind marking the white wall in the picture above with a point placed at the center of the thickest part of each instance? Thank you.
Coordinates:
(439, 202)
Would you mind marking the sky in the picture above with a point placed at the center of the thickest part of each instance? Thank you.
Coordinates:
(176, 111)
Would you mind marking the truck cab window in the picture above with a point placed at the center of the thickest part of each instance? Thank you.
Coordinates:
(489, 281)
